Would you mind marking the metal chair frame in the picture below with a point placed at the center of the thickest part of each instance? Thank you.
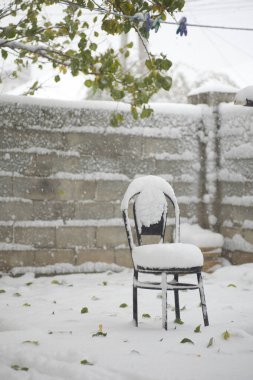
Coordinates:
(164, 285)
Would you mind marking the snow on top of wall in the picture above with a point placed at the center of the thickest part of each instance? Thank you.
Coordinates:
(230, 110)
(213, 86)
(243, 151)
(90, 104)
(194, 234)
(166, 108)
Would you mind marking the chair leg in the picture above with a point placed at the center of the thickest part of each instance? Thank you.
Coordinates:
(202, 299)
(164, 300)
(176, 297)
(135, 300)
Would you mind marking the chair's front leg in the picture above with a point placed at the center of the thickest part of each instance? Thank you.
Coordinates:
(202, 299)
(135, 300)
(176, 298)
(164, 300)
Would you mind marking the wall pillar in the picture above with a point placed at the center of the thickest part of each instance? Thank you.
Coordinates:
(209, 146)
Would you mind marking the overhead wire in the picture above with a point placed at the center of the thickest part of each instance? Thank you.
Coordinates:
(102, 10)
(220, 52)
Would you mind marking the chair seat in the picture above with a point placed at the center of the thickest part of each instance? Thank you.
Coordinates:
(167, 256)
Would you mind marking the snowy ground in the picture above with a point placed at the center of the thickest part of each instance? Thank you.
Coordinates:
(43, 330)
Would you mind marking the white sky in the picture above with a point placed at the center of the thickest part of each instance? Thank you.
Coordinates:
(220, 50)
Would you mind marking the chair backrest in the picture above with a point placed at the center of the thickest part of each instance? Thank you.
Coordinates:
(157, 228)
(150, 207)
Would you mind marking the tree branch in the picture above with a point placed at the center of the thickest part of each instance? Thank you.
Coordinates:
(43, 51)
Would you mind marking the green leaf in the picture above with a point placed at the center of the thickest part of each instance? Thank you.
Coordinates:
(18, 368)
(4, 53)
(57, 78)
(88, 83)
(146, 315)
(93, 46)
(84, 310)
(187, 340)
(56, 282)
(226, 335)
(166, 64)
(116, 119)
(117, 94)
(210, 343)
(34, 342)
(29, 283)
(149, 64)
(130, 45)
(134, 113)
(99, 333)
(231, 286)
(104, 283)
(90, 5)
(146, 112)
(26, 304)
(85, 362)
(179, 321)
(123, 305)
(2, 291)
(197, 329)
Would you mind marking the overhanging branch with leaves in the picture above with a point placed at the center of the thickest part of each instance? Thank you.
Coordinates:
(72, 44)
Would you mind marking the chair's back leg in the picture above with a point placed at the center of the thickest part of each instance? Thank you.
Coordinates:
(176, 298)
(202, 299)
(164, 300)
(135, 299)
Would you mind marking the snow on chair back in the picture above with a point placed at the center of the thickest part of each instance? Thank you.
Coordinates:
(150, 207)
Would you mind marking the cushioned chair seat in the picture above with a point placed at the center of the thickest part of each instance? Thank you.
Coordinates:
(166, 256)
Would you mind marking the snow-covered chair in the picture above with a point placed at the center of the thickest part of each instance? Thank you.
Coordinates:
(151, 195)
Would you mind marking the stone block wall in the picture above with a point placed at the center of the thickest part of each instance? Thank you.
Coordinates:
(64, 171)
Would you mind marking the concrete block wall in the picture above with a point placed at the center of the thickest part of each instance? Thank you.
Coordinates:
(64, 171)
(236, 181)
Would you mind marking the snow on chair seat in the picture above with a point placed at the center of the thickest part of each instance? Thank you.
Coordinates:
(151, 195)
(167, 256)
